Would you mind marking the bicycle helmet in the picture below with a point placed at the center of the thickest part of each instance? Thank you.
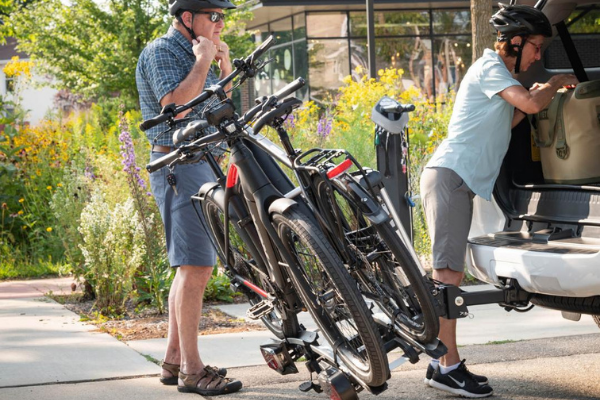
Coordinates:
(177, 7)
(518, 20)
(197, 5)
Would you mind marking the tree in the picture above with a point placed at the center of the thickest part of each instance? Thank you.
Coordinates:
(92, 48)
(482, 32)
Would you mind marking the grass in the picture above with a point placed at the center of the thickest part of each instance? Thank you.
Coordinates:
(43, 269)
(151, 359)
(502, 341)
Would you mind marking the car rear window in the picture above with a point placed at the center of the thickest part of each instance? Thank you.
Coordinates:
(584, 26)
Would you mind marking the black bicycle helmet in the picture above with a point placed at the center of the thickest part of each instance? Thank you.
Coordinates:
(518, 20)
(197, 5)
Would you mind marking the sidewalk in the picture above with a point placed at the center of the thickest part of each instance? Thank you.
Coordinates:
(42, 344)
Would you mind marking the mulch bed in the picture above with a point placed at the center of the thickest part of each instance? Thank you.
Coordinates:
(148, 323)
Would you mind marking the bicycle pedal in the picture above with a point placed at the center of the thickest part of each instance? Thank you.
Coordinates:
(261, 309)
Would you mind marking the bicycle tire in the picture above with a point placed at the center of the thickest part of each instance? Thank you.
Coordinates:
(239, 259)
(332, 298)
(383, 257)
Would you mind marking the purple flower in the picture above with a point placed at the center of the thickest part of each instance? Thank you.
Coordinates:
(89, 172)
(290, 122)
(324, 127)
(128, 155)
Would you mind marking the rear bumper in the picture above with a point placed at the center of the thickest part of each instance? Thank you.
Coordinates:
(560, 271)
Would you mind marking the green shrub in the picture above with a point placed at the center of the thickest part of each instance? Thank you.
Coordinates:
(219, 288)
(113, 249)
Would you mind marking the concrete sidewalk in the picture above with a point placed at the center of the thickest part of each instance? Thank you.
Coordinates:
(43, 344)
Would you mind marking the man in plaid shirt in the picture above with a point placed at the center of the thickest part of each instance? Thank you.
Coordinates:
(175, 68)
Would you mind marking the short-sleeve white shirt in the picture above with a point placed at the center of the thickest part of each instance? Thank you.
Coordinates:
(479, 130)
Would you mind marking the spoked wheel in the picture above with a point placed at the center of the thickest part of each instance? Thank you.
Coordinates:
(240, 259)
(332, 298)
(385, 269)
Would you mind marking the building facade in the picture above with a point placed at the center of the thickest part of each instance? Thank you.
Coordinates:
(325, 41)
(33, 94)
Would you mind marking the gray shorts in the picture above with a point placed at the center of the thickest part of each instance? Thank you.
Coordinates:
(448, 204)
(187, 239)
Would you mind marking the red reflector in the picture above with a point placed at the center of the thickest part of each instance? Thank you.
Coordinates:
(340, 168)
(232, 176)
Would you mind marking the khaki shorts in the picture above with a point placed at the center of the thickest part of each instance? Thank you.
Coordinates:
(448, 204)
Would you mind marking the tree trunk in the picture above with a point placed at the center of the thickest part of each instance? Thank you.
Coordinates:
(482, 33)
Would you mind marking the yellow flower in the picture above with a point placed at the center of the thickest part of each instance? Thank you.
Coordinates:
(15, 67)
(49, 229)
(24, 226)
(49, 187)
(21, 200)
(59, 184)
(20, 212)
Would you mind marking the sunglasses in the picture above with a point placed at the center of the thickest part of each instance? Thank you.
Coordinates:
(213, 15)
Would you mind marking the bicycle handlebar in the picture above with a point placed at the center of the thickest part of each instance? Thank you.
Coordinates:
(289, 88)
(398, 108)
(245, 66)
(272, 100)
(183, 152)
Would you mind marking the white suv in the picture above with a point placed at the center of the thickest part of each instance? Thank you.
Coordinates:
(542, 234)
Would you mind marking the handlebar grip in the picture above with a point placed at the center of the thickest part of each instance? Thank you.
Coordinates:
(270, 41)
(145, 125)
(398, 108)
(289, 88)
(191, 129)
(162, 162)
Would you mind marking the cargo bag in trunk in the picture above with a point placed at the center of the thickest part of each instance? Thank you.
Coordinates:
(568, 135)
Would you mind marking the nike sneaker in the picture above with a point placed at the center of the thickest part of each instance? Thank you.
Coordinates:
(460, 382)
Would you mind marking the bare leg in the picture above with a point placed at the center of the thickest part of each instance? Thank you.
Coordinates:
(173, 352)
(188, 304)
(448, 326)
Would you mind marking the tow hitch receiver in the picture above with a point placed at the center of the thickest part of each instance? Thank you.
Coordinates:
(337, 385)
(278, 358)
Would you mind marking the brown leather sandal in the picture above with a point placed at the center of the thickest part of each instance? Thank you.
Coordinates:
(174, 370)
(207, 383)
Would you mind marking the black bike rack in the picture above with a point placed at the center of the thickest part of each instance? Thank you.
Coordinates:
(453, 301)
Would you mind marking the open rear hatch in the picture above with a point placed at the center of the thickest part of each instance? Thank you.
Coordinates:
(550, 241)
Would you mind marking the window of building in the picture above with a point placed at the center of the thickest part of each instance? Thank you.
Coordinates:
(392, 23)
(327, 24)
(446, 22)
(431, 47)
(282, 30)
(299, 26)
(10, 84)
(328, 64)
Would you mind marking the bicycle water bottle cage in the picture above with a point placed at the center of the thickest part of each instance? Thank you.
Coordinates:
(390, 115)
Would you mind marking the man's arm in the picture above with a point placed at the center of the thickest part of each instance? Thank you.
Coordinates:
(194, 82)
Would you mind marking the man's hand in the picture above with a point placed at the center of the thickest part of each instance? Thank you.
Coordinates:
(204, 47)
(222, 58)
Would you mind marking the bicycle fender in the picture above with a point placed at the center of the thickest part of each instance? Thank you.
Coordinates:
(207, 188)
(281, 205)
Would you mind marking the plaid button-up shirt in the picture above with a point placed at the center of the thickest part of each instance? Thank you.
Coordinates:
(162, 65)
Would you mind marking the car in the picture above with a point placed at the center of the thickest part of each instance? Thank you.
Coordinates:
(541, 231)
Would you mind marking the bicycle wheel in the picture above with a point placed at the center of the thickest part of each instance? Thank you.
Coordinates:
(332, 298)
(240, 259)
(384, 268)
